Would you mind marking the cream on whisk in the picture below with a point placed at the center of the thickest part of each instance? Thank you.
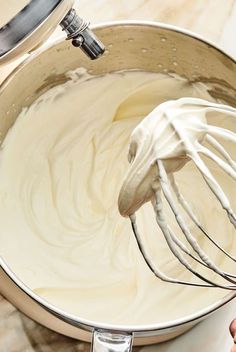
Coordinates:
(161, 144)
(173, 133)
(160, 136)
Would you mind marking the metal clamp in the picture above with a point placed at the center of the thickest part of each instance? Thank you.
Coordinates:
(105, 341)
(78, 31)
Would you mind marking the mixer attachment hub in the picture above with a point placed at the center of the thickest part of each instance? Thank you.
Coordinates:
(78, 31)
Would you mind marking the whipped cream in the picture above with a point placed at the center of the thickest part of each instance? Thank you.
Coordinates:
(157, 138)
(62, 166)
(174, 133)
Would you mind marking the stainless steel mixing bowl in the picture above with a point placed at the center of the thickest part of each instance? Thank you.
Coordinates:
(131, 45)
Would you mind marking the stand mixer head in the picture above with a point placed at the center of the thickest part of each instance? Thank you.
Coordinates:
(36, 21)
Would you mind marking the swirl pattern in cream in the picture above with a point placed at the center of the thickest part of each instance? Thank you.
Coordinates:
(62, 166)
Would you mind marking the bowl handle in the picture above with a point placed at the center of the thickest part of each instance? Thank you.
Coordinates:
(106, 341)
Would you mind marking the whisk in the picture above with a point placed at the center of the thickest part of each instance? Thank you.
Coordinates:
(161, 144)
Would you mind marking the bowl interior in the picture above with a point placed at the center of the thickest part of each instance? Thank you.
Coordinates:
(130, 46)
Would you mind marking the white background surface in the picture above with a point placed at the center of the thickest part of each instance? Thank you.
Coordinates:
(211, 335)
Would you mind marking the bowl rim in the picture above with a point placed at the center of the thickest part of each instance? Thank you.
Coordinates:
(87, 324)
(90, 325)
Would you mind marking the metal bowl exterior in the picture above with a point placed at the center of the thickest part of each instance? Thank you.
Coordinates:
(164, 47)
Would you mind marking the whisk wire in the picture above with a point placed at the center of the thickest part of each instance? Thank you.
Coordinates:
(195, 220)
(221, 150)
(159, 274)
(167, 187)
(189, 237)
